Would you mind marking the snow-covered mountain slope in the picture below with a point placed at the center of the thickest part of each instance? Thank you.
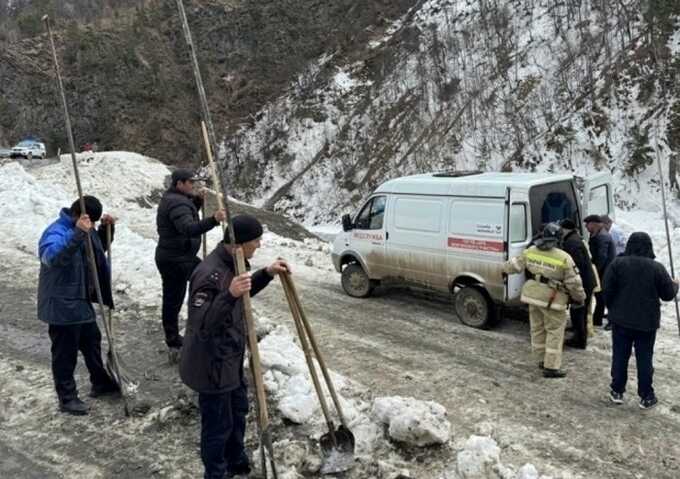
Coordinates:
(506, 85)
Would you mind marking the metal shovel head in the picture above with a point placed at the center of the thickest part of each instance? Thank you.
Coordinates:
(127, 385)
(340, 457)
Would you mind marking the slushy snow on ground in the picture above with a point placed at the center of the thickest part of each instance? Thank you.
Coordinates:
(128, 185)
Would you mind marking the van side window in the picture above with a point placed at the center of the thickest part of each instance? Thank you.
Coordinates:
(598, 203)
(372, 214)
(422, 215)
(518, 222)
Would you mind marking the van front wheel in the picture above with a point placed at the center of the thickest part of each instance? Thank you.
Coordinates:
(473, 307)
(356, 282)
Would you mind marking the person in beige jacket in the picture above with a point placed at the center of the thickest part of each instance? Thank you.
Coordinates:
(553, 285)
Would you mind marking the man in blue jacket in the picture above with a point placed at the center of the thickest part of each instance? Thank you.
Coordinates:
(634, 287)
(65, 296)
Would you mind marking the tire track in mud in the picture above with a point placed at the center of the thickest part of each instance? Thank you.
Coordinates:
(406, 343)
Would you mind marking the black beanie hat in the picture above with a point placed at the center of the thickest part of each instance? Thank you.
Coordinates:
(246, 228)
(568, 224)
(93, 207)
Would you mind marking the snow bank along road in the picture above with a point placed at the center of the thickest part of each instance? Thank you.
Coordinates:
(399, 342)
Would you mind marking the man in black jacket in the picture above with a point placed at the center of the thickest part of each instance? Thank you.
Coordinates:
(633, 287)
(215, 344)
(179, 239)
(574, 246)
(603, 252)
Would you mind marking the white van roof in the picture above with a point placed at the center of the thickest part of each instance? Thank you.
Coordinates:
(478, 184)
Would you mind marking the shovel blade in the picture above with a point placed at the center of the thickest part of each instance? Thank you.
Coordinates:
(337, 456)
(113, 364)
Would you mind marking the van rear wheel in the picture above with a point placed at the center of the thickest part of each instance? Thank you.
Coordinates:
(356, 282)
(474, 307)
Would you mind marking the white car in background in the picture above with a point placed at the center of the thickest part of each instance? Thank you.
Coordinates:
(29, 149)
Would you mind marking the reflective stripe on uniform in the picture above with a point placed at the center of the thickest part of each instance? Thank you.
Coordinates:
(542, 304)
(552, 351)
(541, 258)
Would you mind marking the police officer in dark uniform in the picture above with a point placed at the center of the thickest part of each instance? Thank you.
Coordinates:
(179, 239)
(214, 348)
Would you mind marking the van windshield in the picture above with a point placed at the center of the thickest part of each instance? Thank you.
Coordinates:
(552, 202)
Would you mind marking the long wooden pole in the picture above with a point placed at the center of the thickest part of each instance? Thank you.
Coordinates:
(219, 180)
(295, 308)
(88, 243)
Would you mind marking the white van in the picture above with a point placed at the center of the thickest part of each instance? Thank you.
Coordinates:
(452, 231)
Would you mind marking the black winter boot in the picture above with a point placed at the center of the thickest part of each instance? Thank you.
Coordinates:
(75, 407)
(554, 373)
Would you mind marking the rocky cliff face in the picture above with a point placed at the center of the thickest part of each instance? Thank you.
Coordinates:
(128, 74)
(318, 102)
(503, 85)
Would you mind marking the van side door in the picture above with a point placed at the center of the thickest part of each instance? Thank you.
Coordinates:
(368, 236)
(598, 195)
(517, 237)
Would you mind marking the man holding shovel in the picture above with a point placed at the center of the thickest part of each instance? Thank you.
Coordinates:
(214, 347)
(65, 295)
(179, 239)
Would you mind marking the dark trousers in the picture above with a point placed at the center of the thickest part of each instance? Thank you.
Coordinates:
(174, 276)
(579, 322)
(66, 342)
(598, 314)
(623, 340)
(223, 428)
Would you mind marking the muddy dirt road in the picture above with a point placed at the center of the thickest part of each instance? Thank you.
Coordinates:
(398, 342)
(403, 342)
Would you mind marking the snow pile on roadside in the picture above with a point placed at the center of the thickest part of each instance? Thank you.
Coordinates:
(382, 426)
(28, 207)
(288, 383)
(31, 203)
(123, 181)
(480, 458)
(421, 423)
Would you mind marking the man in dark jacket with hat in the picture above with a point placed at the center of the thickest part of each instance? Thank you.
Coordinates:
(65, 296)
(576, 248)
(179, 239)
(214, 347)
(633, 287)
(603, 252)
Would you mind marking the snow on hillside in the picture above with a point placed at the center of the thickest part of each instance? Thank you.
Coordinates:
(532, 86)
